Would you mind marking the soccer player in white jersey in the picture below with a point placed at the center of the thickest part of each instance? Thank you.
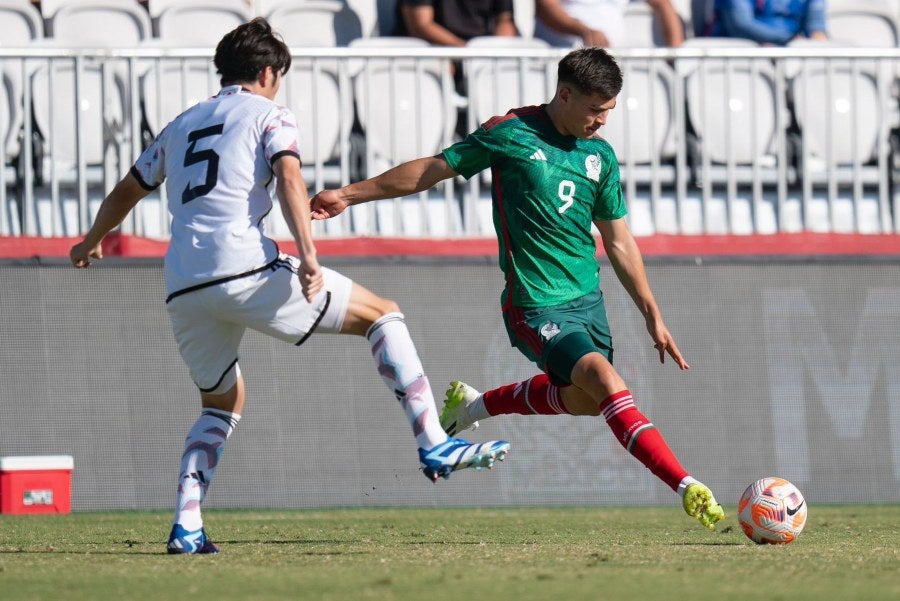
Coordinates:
(224, 275)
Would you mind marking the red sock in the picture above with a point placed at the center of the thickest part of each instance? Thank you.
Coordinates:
(641, 438)
(534, 396)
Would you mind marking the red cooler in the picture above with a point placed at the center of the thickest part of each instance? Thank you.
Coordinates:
(36, 484)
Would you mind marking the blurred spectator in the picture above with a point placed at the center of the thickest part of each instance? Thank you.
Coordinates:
(454, 22)
(769, 22)
(567, 23)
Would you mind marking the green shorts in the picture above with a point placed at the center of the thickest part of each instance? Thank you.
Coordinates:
(556, 337)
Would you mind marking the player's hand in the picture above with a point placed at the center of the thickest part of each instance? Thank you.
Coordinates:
(311, 279)
(592, 37)
(81, 254)
(664, 343)
(327, 203)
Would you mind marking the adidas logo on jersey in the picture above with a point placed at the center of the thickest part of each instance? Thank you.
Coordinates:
(538, 155)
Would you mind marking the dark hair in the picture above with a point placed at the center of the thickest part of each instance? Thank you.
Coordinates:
(591, 71)
(245, 51)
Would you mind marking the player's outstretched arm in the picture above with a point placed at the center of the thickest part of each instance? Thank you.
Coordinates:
(113, 210)
(294, 201)
(402, 180)
(626, 259)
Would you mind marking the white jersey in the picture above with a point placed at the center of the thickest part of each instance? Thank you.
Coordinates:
(607, 16)
(216, 159)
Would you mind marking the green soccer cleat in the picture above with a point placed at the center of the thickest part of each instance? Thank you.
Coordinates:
(700, 503)
(455, 415)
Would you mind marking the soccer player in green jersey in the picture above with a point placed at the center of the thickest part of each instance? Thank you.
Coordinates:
(553, 177)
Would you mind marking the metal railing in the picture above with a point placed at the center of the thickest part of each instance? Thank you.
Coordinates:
(710, 140)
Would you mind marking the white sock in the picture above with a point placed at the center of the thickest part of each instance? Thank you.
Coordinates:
(400, 368)
(687, 481)
(202, 449)
(476, 410)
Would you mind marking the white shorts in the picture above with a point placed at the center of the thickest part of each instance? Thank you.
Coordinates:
(210, 321)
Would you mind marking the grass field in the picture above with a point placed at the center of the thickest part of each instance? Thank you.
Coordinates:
(646, 553)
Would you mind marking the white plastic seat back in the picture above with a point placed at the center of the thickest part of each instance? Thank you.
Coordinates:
(366, 12)
(871, 23)
(312, 91)
(100, 23)
(496, 85)
(157, 7)
(316, 23)
(733, 109)
(171, 86)
(863, 29)
(731, 102)
(99, 108)
(832, 104)
(640, 128)
(403, 105)
(20, 24)
(10, 121)
(641, 26)
(857, 95)
(198, 22)
(523, 16)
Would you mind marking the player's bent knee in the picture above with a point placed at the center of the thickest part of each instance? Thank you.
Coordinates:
(388, 306)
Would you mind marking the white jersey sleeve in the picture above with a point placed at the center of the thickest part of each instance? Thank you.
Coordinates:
(280, 136)
(216, 159)
(150, 168)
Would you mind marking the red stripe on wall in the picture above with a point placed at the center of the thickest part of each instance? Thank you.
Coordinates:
(661, 245)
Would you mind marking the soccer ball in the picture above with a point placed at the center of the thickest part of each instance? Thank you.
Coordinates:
(772, 511)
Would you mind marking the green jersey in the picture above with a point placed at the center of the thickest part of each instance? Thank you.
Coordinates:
(547, 189)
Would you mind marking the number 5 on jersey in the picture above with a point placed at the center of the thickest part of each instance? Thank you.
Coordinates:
(209, 156)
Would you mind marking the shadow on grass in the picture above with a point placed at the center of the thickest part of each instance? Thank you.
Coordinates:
(710, 544)
(128, 547)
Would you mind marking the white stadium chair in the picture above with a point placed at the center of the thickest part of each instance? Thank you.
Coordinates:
(733, 106)
(20, 22)
(197, 22)
(20, 25)
(103, 105)
(496, 85)
(99, 107)
(170, 86)
(312, 90)
(97, 23)
(844, 110)
(325, 23)
(408, 113)
(523, 16)
(404, 108)
(642, 127)
(874, 23)
(642, 27)
(366, 13)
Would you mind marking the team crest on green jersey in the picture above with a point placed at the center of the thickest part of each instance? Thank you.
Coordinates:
(549, 330)
(593, 165)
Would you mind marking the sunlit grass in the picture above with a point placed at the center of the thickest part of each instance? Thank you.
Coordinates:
(646, 553)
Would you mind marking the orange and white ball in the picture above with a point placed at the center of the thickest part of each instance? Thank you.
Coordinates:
(772, 511)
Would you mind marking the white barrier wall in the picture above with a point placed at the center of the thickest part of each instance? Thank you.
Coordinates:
(711, 140)
(793, 374)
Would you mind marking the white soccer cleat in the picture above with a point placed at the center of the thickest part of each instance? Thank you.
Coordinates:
(455, 415)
